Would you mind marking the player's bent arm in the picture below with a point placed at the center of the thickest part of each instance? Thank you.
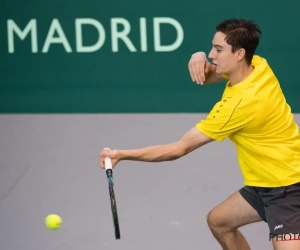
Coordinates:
(202, 71)
(191, 140)
(212, 76)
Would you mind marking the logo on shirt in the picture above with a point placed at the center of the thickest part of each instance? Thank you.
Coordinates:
(278, 226)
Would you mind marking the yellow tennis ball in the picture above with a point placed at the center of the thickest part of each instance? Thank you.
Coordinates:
(53, 221)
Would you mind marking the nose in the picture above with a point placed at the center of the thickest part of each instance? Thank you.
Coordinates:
(211, 54)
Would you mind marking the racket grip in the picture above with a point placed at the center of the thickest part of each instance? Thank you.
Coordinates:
(107, 163)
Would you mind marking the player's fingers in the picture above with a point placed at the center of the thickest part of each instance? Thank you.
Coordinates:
(191, 70)
(106, 152)
(199, 66)
(106, 155)
(101, 161)
(201, 72)
(195, 72)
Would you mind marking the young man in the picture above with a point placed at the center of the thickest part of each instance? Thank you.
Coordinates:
(254, 115)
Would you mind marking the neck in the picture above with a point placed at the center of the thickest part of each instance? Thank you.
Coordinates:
(240, 74)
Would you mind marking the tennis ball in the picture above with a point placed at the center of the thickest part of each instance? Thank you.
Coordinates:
(53, 221)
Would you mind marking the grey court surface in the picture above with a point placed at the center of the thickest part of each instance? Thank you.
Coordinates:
(49, 164)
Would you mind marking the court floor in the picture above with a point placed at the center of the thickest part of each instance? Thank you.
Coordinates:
(49, 164)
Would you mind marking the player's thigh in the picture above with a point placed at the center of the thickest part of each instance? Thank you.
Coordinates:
(233, 213)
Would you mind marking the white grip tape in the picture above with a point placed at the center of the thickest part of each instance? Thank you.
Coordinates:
(107, 161)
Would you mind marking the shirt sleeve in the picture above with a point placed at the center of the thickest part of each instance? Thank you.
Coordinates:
(224, 119)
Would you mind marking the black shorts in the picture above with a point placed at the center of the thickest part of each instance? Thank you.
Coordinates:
(279, 207)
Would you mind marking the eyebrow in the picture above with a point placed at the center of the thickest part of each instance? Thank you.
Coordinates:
(217, 46)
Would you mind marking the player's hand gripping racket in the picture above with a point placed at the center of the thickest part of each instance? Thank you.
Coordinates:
(110, 179)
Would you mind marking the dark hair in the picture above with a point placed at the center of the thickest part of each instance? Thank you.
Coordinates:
(241, 33)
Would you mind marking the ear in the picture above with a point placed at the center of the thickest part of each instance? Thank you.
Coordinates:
(241, 53)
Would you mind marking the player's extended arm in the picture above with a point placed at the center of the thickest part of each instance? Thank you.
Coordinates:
(202, 71)
(190, 141)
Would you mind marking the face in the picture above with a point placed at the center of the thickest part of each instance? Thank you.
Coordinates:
(221, 54)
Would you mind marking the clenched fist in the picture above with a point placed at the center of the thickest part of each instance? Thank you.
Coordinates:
(107, 153)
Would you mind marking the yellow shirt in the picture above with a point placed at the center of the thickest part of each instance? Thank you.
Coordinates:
(256, 118)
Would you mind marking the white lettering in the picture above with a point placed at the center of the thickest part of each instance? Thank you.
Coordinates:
(123, 35)
(120, 31)
(55, 26)
(143, 32)
(278, 226)
(101, 32)
(157, 41)
(31, 27)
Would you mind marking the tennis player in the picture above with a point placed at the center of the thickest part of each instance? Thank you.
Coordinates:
(255, 116)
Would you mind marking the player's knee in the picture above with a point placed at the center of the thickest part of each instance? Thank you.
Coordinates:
(217, 222)
(213, 220)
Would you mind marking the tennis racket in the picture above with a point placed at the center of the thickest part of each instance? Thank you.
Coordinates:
(110, 179)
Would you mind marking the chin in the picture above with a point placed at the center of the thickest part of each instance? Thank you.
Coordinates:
(219, 71)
